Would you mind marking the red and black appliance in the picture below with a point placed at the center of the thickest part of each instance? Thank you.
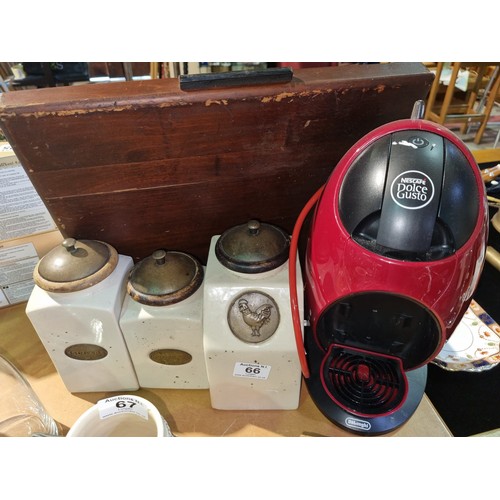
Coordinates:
(394, 254)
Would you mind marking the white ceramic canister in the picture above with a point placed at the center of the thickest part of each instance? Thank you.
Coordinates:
(161, 321)
(250, 347)
(75, 308)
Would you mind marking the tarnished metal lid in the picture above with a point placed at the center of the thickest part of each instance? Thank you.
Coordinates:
(75, 265)
(253, 248)
(164, 278)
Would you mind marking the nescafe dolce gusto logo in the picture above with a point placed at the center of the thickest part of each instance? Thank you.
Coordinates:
(412, 190)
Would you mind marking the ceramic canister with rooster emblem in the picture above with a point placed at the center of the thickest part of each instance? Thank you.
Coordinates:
(161, 321)
(249, 342)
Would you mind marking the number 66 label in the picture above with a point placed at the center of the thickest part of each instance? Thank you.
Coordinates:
(251, 370)
(121, 404)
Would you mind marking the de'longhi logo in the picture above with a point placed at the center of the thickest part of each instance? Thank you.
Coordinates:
(412, 190)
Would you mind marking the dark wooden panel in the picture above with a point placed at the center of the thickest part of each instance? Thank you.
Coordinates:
(208, 169)
(144, 165)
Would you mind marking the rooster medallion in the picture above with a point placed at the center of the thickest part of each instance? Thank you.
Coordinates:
(255, 319)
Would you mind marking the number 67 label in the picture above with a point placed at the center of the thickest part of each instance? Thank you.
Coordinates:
(251, 370)
(121, 404)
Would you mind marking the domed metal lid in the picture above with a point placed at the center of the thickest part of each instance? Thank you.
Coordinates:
(253, 248)
(164, 278)
(75, 265)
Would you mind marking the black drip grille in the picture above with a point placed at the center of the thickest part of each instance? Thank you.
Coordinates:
(364, 383)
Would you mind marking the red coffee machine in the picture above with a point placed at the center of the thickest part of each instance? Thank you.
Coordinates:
(395, 251)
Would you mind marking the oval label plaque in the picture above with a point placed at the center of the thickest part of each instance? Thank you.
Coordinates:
(86, 352)
(170, 356)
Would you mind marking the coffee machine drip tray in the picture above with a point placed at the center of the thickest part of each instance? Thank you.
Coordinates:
(363, 392)
(362, 382)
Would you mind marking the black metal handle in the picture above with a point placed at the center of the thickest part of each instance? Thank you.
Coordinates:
(235, 79)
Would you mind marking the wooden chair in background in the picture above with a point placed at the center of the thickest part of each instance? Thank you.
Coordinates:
(471, 109)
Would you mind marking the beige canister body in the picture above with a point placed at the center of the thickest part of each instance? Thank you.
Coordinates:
(81, 333)
(161, 321)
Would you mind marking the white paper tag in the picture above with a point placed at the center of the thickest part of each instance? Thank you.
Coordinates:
(23, 211)
(17, 264)
(121, 404)
(251, 370)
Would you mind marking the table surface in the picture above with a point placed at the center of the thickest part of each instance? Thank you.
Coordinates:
(188, 412)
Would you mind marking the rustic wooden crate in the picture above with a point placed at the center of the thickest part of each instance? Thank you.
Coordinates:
(144, 165)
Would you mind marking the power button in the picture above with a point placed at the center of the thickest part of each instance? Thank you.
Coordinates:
(418, 141)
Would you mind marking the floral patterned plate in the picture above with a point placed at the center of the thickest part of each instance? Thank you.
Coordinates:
(475, 344)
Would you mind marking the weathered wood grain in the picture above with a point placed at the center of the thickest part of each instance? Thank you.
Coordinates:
(143, 165)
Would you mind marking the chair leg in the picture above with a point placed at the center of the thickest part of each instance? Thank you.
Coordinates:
(490, 102)
(472, 99)
(448, 96)
(497, 138)
(434, 90)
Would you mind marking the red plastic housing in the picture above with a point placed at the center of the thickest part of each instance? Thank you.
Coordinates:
(336, 266)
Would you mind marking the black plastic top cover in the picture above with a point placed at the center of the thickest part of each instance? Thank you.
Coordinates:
(410, 195)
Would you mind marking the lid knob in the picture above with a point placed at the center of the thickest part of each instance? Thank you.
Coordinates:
(159, 257)
(253, 227)
(69, 245)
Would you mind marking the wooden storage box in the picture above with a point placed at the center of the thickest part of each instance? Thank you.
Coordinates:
(144, 165)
